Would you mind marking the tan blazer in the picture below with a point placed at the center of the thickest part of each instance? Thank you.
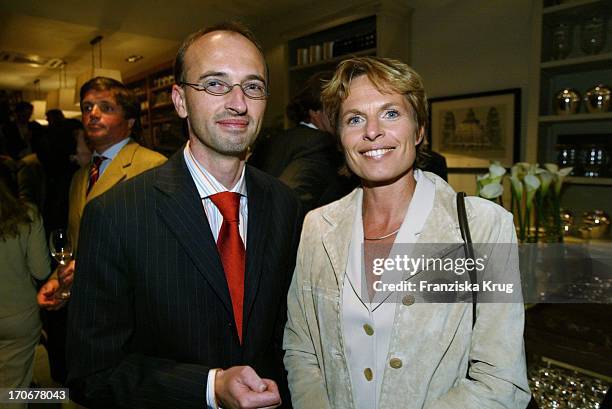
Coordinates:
(132, 160)
(431, 344)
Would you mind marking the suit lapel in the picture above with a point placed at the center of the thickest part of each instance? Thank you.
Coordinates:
(115, 172)
(257, 230)
(180, 207)
(82, 178)
(78, 200)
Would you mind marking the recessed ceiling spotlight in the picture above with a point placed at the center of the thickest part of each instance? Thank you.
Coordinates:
(134, 58)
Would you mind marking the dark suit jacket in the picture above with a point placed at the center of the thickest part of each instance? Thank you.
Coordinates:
(151, 312)
(303, 158)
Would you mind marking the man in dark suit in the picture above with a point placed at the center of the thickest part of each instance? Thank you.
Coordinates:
(305, 157)
(169, 310)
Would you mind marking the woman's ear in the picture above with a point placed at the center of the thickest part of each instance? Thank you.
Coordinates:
(420, 136)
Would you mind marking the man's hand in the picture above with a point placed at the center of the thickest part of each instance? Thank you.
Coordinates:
(66, 274)
(239, 387)
(47, 296)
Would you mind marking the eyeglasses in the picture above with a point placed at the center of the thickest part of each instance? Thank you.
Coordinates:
(253, 89)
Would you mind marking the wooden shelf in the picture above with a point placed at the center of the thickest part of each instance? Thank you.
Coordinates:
(369, 51)
(596, 61)
(569, 5)
(163, 105)
(162, 113)
(163, 87)
(165, 120)
(372, 30)
(576, 117)
(571, 333)
(578, 180)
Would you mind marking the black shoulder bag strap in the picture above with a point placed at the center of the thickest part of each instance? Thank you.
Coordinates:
(467, 246)
(469, 253)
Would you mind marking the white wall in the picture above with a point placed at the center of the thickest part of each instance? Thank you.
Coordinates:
(469, 46)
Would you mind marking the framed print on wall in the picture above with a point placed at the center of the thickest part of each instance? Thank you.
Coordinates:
(473, 129)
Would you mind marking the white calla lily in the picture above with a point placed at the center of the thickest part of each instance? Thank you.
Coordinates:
(497, 171)
(551, 167)
(517, 187)
(546, 179)
(532, 184)
(558, 175)
(492, 191)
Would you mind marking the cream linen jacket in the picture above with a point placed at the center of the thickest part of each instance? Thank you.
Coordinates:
(435, 342)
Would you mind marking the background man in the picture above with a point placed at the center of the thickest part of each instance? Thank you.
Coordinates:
(21, 135)
(165, 291)
(305, 157)
(110, 116)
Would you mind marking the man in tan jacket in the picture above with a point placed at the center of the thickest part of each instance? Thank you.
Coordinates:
(110, 114)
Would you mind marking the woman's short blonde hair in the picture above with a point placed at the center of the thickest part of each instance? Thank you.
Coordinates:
(388, 76)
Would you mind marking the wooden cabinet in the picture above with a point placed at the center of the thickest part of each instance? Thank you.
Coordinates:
(381, 28)
(568, 60)
(163, 130)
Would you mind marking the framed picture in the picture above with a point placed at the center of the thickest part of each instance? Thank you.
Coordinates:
(473, 129)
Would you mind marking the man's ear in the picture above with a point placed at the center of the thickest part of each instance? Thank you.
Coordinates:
(131, 123)
(178, 97)
(313, 115)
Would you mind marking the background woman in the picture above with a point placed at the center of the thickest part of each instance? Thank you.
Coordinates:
(345, 346)
(24, 255)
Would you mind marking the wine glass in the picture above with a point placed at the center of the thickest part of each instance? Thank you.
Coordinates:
(61, 250)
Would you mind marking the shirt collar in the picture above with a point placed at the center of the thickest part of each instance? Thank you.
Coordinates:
(206, 183)
(421, 202)
(308, 124)
(111, 152)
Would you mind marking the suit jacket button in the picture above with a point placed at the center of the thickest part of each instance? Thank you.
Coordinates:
(395, 363)
(368, 374)
(408, 300)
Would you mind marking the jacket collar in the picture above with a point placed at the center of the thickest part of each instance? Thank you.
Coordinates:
(116, 170)
(440, 227)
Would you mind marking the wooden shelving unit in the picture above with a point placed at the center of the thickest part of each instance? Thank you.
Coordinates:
(577, 180)
(379, 29)
(163, 130)
(570, 340)
(577, 117)
(580, 71)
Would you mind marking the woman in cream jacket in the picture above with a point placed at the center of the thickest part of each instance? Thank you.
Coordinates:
(349, 346)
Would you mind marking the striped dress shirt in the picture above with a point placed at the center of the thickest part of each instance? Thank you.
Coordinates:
(207, 186)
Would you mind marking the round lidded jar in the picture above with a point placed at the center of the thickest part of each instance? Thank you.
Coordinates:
(597, 99)
(567, 101)
(593, 34)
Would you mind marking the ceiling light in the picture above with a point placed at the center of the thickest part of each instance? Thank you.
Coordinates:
(94, 72)
(40, 105)
(63, 97)
(134, 58)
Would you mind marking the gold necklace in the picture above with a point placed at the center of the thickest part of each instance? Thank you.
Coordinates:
(382, 237)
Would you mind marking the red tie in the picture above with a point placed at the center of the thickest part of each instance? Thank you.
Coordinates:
(231, 250)
(94, 171)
